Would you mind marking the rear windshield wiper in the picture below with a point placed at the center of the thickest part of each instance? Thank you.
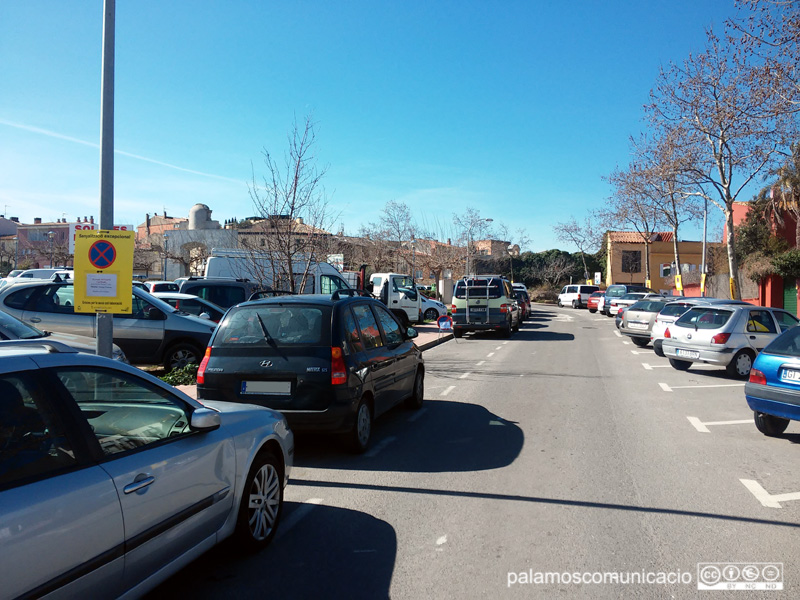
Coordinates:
(267, 336)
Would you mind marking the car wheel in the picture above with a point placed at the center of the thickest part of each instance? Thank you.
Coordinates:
(515, 328)
(180, 355)
(641, 342)
(431, 314)
(681, 365)
(506, 331)
(657, 348)
(559, 304)
(741, 364)
(262, 503)
(769, 424)
(418, 395)
(575, 304)
(362, 428)
(592, 310)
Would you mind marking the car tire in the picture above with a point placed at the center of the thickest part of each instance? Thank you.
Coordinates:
(576, 304)
(560, 305)
(180, 355)
(417, 396)
(261, 505)
(515, 328)
(592, 310)
(641, 342)
(741, 364)
(769, 424)
(658, 348)
(431, 314)
(362, 428)
(457, 333)
(681, 365)
(506, 331)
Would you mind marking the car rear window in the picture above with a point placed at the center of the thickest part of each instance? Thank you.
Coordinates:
(675, 310)
(615, 291)
(275, 325)
(704, 318)
(786, 344)
(479, 288)
(597, 295)
(647, 306)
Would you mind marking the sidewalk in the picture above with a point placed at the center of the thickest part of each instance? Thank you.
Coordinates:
(428, 338)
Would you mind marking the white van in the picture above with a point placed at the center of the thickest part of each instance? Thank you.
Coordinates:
(576, 295)
(322, 278)
(399, 293)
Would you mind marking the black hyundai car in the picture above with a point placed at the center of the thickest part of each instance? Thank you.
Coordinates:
(328, 363)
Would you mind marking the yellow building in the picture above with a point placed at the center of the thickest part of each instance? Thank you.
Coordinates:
(625, 258)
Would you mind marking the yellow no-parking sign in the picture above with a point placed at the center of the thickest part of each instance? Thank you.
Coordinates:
(103, 271)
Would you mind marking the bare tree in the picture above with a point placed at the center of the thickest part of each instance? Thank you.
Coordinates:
(294, 214)
(734, 126)
(584, 236)
(555, 269)
(471, 227)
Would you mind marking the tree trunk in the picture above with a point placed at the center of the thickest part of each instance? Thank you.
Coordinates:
(647, 262)
(675, 249)
(733, 267)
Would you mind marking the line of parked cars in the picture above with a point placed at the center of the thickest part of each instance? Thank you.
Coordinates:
(757, 343)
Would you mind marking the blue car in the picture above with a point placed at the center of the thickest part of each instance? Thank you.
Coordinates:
(773, 390)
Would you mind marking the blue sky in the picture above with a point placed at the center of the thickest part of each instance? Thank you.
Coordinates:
(517, 109)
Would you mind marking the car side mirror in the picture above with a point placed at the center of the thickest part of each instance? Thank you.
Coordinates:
(204, 315)
(204, 419)
(154, 314)
(411, 333)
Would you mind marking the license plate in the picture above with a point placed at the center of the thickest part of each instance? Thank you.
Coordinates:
(790, 375)
(637, 325)
(278, 388)
(687, 353)
(481, 309)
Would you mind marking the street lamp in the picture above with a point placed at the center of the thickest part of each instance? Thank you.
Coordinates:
(511, 261)
(469, 237)
(51, 236)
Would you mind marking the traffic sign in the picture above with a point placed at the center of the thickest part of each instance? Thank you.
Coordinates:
(102, 254)
(103, 271)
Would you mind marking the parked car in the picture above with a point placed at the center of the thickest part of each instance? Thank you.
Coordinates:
(617, 290)
(484, 303)
(520, 287)
(637, 319)
(595, 300)
(192, 305)
(328, 363)
(112, 480)
(522, 300)
(153, 333)
(576, 295)
(11, 328)
(773, 390)
(41, 273)
(614, 304)
(222, 291)
(727, 335)
(675, 307)
(161, 286)
(432, 309)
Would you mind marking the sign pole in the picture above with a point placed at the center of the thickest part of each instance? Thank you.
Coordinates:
(105, 321)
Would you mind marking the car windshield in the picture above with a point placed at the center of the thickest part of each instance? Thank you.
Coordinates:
(786, 344)
(616, 291)
(479, 288)
(275, 325)
(13, 329)
(635, 296)
(704, 317)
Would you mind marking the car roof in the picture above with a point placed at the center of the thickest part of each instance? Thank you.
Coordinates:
(321, 299)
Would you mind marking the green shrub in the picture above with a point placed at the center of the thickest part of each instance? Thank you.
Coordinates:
(184, 376)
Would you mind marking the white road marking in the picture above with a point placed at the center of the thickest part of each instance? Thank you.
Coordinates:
(464, 375)
(598, 320)
(417, 415)
(639, 351)
(767, 499)
(626, 343)
(715, 385)
(504, 343)
(618, 334)
(298, 514)
(702, 427)
(447, 390)
(499, 348)
(650, 367)
(380, 446)
(490, 355)
(665, 387)
(441, 540)
(480, 363)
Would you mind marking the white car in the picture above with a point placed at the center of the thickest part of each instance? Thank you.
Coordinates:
(432, 309)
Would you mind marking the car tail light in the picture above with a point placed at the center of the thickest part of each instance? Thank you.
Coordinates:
(453, 308)
(758, 377)
(620, 311)
(338, 368)
(720, 338)
(201, 370)
(667, 334)
(504, 308)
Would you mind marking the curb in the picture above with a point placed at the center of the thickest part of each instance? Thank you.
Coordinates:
(440, 340)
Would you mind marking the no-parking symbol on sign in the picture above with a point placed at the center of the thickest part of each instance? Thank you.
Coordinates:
(103, 271)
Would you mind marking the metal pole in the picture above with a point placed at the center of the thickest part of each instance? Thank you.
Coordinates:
(705, 231)
(105, 321)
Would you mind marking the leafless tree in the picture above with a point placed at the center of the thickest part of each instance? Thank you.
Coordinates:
(294, 213)
(584, 236)
(733, 126)
(471, 226)
(555, 269)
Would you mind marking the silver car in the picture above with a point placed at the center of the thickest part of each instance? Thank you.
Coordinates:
(153, 333)
(637, 319)
(112, 480)
(727, 335)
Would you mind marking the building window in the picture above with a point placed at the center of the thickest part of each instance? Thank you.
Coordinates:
(631, 261)
(665, 269)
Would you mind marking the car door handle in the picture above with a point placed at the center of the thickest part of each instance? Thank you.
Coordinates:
(752, 337)
(138, 483)
(35, 320)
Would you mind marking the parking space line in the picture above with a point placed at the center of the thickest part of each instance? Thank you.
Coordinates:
(417, 415)
(665, 387)
(650, 367)
(639, 351)
(714, 385)
(498, 348)
(380, 446)
(702, 427)
(504, 343)
(299, 513)
(490, 355)
(626, 343)
(464, 375)
(447, 390)
(618, 334)
(767, 499)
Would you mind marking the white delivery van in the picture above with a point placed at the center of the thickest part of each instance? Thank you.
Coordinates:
(399, 293)
(321, 278)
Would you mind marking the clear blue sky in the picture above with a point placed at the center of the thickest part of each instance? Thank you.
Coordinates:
(517, 109)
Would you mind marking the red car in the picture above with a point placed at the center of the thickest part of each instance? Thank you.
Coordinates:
(594, 300)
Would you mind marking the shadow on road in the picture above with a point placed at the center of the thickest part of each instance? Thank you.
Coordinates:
(446, 437)
(336, 553)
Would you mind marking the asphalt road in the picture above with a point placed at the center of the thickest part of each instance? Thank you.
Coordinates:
(563, 450)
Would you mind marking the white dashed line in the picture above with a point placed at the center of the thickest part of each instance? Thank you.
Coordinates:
(490, 355)
(649, 367)
(380, 446)
(618, 334)
(480, 363)
(464, 375)
(504, 343)
(665, 387)
(447, 390)
(498, 348)
(626, 343)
